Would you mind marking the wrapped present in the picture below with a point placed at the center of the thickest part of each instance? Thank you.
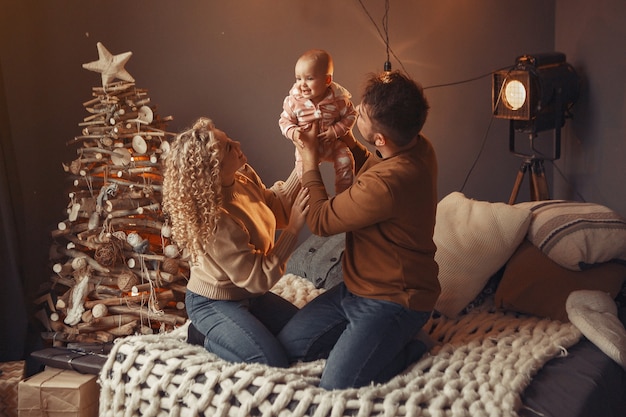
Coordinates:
(76, 360)
(58, 393)
(11, 373)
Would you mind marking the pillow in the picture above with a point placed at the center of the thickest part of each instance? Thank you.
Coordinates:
(532, 283)
(474, 240)
(576, 235)
(318, 259)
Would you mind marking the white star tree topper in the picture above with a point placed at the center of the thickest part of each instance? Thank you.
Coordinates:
(110, 66)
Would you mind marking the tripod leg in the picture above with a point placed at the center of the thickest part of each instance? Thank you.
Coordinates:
(538, 185)
(518, 182)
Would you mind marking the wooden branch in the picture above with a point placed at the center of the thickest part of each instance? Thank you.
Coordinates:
(78, 242)
(144, 256)
(105, 323)
(137, 175)
(126, 203)
(79, 195)
(81, 230)
(82, 138)
(45, 298)
(178, 288)
(95, 337)
(119, 156)
(136, 289)
(66, 282)
(143, 311)
(130, 135)
(90, 102)
(125, 330)
(161, 276)
(98, 181)
(102, 281)
(90, 261)
(63, 300)
(58, 326)
(103, 292)
(134, 212)
(87, 316)
(142, 298)
(113, 87)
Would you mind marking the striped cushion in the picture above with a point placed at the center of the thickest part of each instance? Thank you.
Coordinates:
(576, 235)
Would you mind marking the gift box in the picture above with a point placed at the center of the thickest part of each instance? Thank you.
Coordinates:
(58, 393)
(11, 373)
(63, 358)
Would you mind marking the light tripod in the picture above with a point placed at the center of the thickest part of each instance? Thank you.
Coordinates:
(533, 165)
(538, 184)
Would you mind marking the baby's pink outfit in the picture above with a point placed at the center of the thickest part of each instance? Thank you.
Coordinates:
(334, 111)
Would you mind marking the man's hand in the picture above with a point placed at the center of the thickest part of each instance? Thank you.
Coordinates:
(307, 143)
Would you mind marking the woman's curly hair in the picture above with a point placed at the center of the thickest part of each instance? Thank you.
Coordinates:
(192, 188)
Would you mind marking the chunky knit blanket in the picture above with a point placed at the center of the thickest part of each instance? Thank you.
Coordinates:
(480, 365)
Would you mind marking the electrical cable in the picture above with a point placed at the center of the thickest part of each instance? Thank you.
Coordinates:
(387, 65)
(480, 152)
(509, 67)
(385, 37)
(486, 135)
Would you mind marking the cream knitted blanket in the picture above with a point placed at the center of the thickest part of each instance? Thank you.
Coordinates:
(480, 366)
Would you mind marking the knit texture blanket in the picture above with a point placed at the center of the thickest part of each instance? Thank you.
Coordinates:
(480, 366)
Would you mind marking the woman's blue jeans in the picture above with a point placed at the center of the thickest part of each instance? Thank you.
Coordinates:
(243, 330)
(364, 340)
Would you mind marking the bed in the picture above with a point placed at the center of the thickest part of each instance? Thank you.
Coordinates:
(519, 330)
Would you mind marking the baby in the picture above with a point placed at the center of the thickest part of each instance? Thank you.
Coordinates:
(316, 98)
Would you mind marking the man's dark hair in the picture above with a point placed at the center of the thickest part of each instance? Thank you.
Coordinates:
(396, 105)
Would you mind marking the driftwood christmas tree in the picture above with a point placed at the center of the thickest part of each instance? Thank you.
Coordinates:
(115, 270)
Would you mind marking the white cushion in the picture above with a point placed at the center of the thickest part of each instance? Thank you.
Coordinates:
(594, 313)
(575, 234)
(474, 240)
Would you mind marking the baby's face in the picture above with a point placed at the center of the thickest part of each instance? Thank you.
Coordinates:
(311, 80)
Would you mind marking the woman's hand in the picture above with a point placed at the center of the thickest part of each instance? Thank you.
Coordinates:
(299, 210)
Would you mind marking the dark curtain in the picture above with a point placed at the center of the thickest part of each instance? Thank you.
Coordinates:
(13, 311)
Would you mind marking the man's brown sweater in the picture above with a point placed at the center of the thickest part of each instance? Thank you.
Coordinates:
(389, 217)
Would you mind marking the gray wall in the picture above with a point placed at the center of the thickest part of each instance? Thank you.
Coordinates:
(593, 35)
(233, 61)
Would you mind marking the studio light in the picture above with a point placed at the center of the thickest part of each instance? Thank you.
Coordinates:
(536, 95)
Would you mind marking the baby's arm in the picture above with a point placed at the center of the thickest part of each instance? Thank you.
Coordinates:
(288, 121)
(344, 124)
(328, 136)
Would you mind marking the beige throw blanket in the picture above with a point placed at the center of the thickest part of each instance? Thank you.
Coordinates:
(480, 366)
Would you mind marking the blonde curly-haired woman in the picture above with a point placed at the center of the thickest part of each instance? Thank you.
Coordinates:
(226, 219)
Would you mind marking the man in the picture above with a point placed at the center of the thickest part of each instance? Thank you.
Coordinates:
(366, 326)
